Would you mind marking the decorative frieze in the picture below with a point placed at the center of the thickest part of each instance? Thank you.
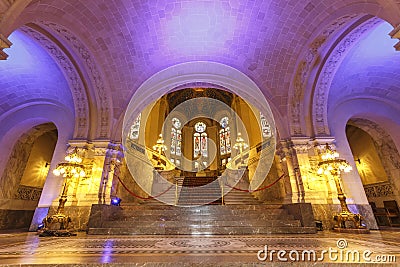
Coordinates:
(104, 104)
(324, 81)
(76, 85)
(28, 193)
(378, 190)
(304, 71)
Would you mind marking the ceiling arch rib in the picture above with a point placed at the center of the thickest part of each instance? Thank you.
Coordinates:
(328, 71)
(82, 112)
(98, 88)
(305, 72)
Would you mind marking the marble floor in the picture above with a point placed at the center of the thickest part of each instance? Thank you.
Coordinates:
(24, 248)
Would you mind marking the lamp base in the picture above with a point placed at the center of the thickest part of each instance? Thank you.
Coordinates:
(45, 232)
(346, 216)
(56, 225)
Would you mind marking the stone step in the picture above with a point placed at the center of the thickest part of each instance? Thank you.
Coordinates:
(239, 230)
(212, 217)
(222, 212)
(203, 223)
(258, 207)
(235, 219)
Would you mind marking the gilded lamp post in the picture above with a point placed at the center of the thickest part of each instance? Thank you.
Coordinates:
(160, 148)
(331, 164)
(72, 167)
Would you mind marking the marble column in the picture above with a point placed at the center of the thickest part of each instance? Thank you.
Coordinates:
(291, 165)
(112, 158)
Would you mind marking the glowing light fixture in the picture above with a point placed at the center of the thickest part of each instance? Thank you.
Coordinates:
(57, 224)
(331, 164)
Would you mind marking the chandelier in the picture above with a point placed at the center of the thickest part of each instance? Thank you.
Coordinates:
(57, 224)
(331, 164)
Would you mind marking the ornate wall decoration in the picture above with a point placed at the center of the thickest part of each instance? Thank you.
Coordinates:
(102, 93)
(77, 88)
(320, 100)
(28, 193)
(378, 190)
(304, 70)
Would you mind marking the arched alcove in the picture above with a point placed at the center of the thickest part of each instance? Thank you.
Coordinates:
(24, 175)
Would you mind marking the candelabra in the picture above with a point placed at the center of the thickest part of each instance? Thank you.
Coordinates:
(57, 224)
(160, 148)
(331, 164)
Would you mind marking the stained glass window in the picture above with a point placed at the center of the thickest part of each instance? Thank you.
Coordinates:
(204, 145)
(176, 123)
(200, 140)
(196, 142)
(176, 139)
(134, 134)
(200, 127)
(265, 127)
(224, 122)
(225, 137)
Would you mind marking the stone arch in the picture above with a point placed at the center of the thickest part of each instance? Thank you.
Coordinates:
(92, 98)
(73, 77)
(23, 118)
(376, 110)
(94, 78)
(328, 70)
(383, 143)
(200, 72)
(311, 71)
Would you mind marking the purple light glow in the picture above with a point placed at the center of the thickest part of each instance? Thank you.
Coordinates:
(377, 45)
(29, 74)
(199, 27)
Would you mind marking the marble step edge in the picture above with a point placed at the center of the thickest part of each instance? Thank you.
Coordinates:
(203, 231)
(203, 218)
(206, 207)
(122, 224)
(204, 214)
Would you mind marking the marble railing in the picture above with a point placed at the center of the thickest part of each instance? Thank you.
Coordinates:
(250, 156)
(28, 193)
(378, 190)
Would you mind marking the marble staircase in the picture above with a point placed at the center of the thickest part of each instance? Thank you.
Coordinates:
(199, 220)
(199, 190)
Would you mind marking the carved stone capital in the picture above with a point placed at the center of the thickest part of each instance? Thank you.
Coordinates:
(301, 144)
(319, 143)
(100, 147)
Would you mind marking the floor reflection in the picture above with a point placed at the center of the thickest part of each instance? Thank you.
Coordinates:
(28, 248)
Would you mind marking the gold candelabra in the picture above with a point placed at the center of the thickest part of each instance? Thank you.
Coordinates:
(72, 167)
(331, 164)
(160, 148)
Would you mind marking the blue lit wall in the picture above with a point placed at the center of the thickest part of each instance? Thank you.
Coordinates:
(30, 74)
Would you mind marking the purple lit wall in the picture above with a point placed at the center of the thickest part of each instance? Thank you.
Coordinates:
(31, 75)
(199, 28)
(370, 69)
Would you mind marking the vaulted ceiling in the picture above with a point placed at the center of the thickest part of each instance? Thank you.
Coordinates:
(114, 46)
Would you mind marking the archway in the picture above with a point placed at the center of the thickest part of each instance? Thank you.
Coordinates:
(377, 161)
(24, 175)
